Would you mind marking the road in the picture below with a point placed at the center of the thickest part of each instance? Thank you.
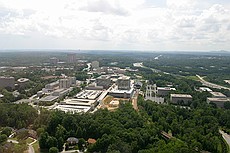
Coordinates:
(225, 136)
(211, 85)
(31, 148)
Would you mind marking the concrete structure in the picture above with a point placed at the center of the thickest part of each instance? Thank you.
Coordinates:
(103, 81)
(54, 60)
(61, 92)
(64, 83)
(93, 86)
(52, 86)
(71, 58)
(22, 82)
(218, 101)
(95, 65)
(77, 105)
(72, 81)
(180, 98)
(88, 94)
(49, 99)
(122, 93)
(7, 82)
(150, 94)
(217, 95)
(123, 83)
(205, 89)
(164, 91)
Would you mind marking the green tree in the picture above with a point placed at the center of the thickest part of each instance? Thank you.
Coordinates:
(53, 150)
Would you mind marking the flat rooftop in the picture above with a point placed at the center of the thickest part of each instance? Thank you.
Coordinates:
(122, 91)
(84, 102)
(49, 98)
(166, 88)
(181, 96)
(218, 99)
(124, 78)
(23, 80)
(88, 94)
(74, 109)
(217, 94)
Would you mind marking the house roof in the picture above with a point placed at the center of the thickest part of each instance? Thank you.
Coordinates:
(91, 141)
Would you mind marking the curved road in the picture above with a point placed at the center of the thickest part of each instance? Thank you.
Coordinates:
(211, 85)
(225, 136)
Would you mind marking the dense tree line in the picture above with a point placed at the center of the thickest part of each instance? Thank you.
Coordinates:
(17, 116)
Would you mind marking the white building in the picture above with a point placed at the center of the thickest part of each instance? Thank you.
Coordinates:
(22, 82)
(218, 101)
(52, 86)
(104, 81)
(217, 95)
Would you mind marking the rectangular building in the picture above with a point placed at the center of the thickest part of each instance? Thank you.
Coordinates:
(217, 95)
(123, 83)
(104, 81)
(64, 83)
(163, 91)
(218, 101)
(7, 82)
(180, 98)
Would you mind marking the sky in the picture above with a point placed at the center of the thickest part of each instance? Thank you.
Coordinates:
(157, 25)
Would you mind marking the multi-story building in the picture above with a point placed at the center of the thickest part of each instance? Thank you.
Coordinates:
(163, 91)
(123, 83)
(218, 101)
(52, 86)
(71, 58)
(180, 98)
(64, 83)
(72, 80)
(104, 81)
(7, 82)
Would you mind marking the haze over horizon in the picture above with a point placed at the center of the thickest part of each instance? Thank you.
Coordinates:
(160, 25)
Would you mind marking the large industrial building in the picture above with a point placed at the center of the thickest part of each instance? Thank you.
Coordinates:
(218, 101)
(123, 83)
(104, 81)
(217, 95)
(7, 82)
(163, 91)
(180, 98)
(64, 83)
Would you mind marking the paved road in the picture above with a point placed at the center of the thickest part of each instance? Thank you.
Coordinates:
(31, 148)
(225, 136)
(211, 85)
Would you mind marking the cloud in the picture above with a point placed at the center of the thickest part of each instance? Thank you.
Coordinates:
(105, 7)
(177, 25)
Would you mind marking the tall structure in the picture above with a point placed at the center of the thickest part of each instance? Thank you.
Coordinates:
(54, 60)
(150, 90)
(72, 80)
(7, 82)
(64, 83)
(95, 64)
(123, 83)
(71, 58)
(104, 81)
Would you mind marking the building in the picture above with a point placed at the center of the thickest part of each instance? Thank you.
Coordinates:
(52, 86)
(218, 101)
(103, 81)
(71, 58)
(7, 82)
(122, 93)
(61, 92)
(54, 60)
(88, 94)
(64, 83)
(95, 65)
(164, 91)
(93, 86)
(217, 95)
(123, 83)
(180, 98)
(49, 99)
(72, 80)
(203, 89)
(22, 82)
